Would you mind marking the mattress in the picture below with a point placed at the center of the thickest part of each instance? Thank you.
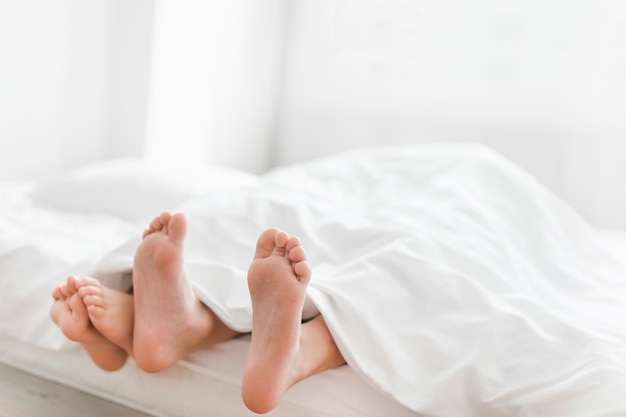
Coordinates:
(208, 383)
(46, 234)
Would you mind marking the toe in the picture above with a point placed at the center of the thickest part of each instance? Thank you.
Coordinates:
(57, 294)
(71, 284)
(297, 254)
(280, 241)
(96, 312)
(156, 224)
(78, 307)
(302, 271)
(64, 291)
(94, 300)
(266, 243)
(163, 222)
(165, 217)
(85, 281)
(292, 243)
(90, 290)
(177, 228)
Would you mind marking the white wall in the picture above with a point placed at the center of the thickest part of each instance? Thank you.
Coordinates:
(132, 30)
(218, 81)
(73, 83)
(543, 82)
(215, 81)
(82, 81)
(53, 72)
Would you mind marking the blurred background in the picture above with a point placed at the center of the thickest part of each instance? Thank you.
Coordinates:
(251, 84)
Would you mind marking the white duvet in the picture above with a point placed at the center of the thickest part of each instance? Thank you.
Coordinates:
(450, 279)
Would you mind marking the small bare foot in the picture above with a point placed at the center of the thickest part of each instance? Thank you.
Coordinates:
(69, 312)
(170, 321)
(277, 279)
(111, 312)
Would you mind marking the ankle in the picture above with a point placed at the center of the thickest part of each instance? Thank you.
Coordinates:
(318, 351)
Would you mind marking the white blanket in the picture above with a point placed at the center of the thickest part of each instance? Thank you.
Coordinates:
(449, 278)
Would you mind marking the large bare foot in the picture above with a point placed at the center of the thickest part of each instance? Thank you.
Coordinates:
(111, 312)
(69, 312)
(170, 321)
(277, 279)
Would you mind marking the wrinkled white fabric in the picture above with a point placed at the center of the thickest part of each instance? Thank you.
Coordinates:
(450, 279)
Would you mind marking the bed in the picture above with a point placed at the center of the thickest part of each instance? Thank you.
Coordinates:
(89, 221)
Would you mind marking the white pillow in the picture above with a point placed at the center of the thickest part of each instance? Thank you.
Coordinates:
(135, 189)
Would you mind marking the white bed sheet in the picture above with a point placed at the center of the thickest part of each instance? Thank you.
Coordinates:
(209, 382)
(41, 245)
(504, 300)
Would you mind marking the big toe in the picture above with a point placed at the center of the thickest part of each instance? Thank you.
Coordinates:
(266, 243)
(177, 228)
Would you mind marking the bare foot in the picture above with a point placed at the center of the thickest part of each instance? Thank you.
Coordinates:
(277, 279)
(111, 312)
(170, 321)
(69, 312)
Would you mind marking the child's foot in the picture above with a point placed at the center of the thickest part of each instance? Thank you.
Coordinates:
(69, 312)
(170, 321)
(277, 279)
(111, 312)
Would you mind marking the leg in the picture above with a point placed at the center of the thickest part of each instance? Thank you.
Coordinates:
(318, 350)
(69, 312)
(282, 350)
(170, 321)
